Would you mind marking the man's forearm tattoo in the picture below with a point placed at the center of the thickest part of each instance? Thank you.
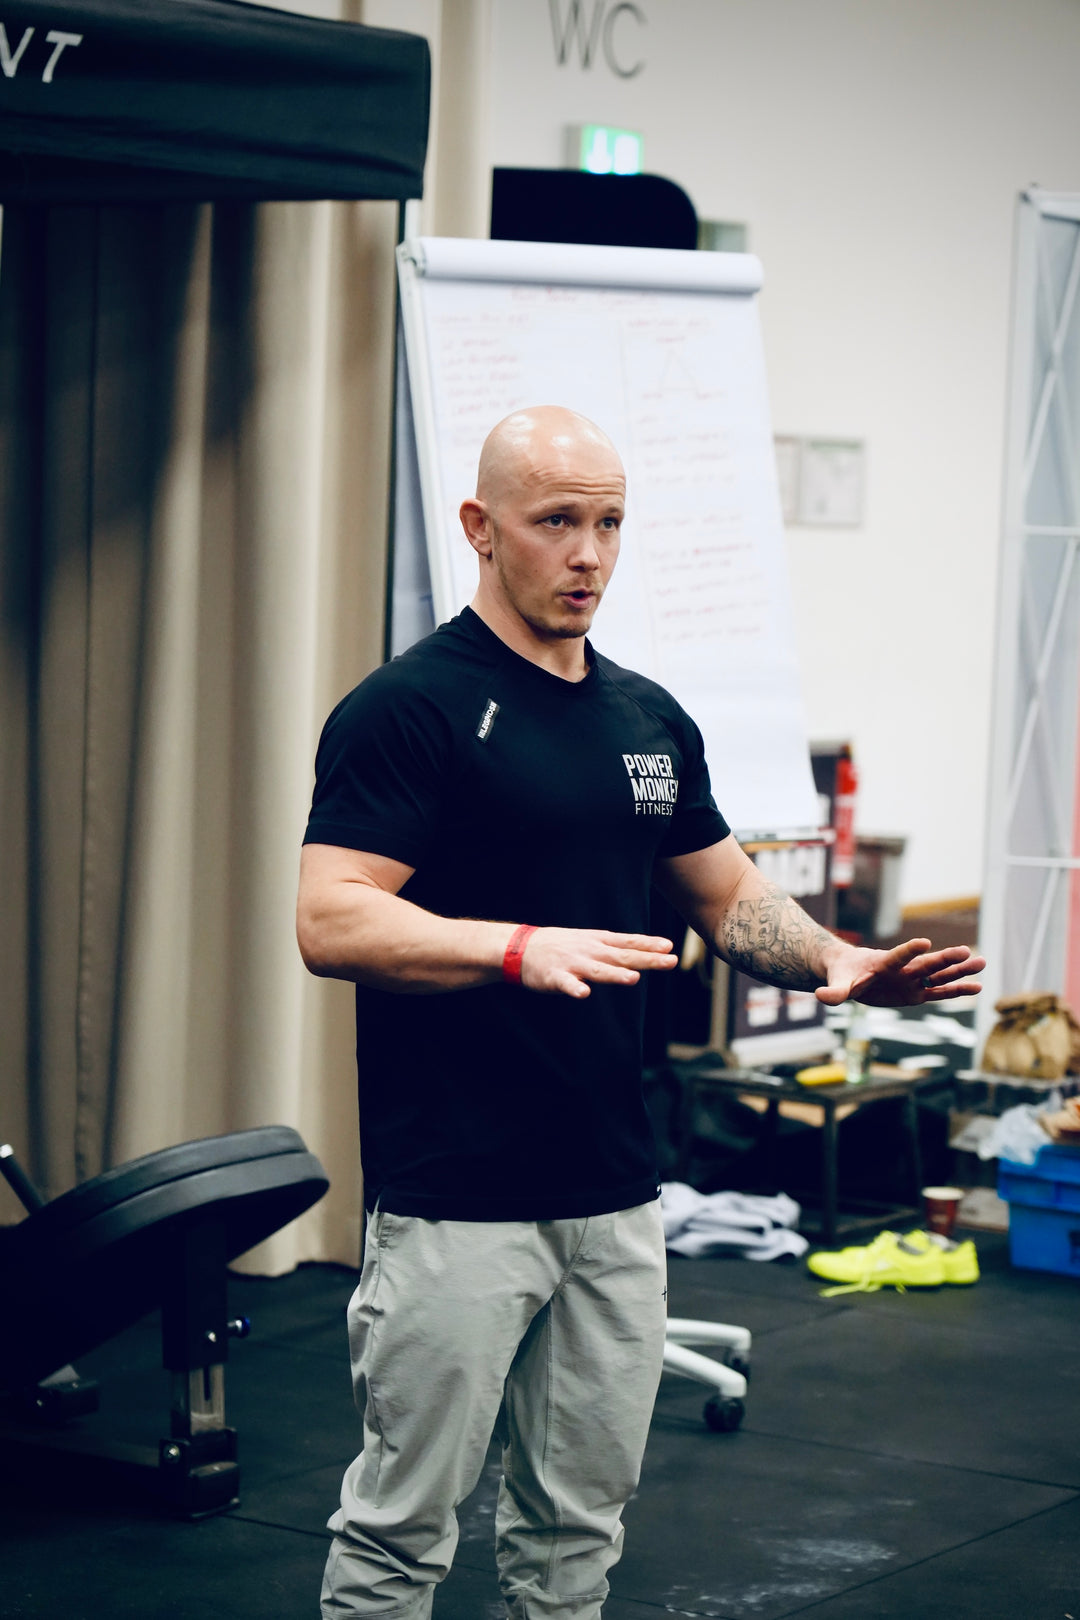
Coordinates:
(773, 938)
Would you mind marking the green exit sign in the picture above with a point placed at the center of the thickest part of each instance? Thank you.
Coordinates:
(599, 149)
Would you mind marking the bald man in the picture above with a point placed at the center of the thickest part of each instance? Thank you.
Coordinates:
(490, 813)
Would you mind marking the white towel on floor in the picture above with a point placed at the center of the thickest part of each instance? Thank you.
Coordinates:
(755, 1227)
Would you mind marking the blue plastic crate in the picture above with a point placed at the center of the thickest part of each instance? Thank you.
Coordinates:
(1044, 1210)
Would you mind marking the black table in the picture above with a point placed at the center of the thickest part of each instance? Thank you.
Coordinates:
(703, 1077)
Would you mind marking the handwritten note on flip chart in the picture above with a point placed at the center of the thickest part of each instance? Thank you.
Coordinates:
(699, 600)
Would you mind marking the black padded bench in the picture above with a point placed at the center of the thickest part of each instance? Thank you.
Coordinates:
(157, 1232)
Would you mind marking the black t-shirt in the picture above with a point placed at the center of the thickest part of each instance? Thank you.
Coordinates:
(518, 797)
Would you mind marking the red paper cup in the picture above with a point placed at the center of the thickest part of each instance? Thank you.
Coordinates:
(941, 1205)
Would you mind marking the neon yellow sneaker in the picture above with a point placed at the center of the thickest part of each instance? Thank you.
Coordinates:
(916, 1260)
(890, 1261)
(960, 1259)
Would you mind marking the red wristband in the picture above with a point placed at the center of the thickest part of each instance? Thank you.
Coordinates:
(511, 967)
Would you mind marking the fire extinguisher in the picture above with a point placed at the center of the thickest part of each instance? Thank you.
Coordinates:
(843, 863)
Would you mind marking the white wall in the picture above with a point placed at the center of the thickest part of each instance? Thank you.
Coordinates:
(875, 149)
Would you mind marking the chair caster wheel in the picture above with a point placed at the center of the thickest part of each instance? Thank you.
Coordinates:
(723, 1416)
(738, 1364)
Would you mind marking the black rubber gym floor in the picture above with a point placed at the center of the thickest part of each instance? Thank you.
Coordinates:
(907, 1457)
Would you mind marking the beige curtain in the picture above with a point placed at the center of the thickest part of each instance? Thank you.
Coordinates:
(194, 463)
(194, 443)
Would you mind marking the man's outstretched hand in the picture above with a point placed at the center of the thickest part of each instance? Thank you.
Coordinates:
(906, 976)
(566, 961)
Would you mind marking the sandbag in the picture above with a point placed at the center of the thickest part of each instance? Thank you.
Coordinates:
(1036, 1037)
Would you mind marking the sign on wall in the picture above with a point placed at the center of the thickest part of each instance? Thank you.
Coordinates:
(598, 31)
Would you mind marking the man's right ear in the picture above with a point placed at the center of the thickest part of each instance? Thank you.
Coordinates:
(476, 521)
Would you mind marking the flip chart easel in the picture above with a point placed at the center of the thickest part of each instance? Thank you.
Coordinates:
(663, 349)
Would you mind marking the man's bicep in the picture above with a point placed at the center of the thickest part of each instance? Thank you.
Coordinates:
(342, 896)
(324, 866)
(703, 884)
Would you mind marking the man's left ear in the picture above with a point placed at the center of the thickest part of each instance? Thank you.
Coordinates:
(476, 522)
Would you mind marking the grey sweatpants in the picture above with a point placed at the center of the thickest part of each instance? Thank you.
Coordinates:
(555, 1329)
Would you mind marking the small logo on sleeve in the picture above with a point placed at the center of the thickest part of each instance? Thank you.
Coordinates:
(487, 720)
(655, 785)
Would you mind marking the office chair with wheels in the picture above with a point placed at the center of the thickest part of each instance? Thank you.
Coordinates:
(725, 1407)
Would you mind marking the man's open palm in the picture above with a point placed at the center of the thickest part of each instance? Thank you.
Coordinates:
(906, 976)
